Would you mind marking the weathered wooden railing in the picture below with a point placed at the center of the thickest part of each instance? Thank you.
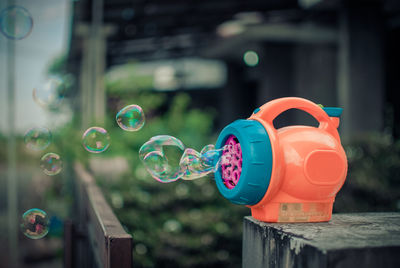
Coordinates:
(94, 237)
(348, 240)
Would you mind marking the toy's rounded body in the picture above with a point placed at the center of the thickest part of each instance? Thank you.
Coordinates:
(304, 166)
(312, 170)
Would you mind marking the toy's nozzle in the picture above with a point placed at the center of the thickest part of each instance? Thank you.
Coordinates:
(231, 162)
(245, 172)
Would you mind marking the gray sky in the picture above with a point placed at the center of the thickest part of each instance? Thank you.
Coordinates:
(48, 39)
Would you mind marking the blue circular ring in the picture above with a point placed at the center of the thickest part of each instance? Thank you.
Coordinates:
(256, 165)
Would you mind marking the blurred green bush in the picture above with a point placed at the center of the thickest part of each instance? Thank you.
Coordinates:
(180, 224)
(373, 179)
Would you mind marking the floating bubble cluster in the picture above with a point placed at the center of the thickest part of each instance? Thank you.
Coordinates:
(96, 140)
(51, 164)
(192, 164)
(35, 223)
(38, 138)
(50, 93)
(15, 22)
(131, 118)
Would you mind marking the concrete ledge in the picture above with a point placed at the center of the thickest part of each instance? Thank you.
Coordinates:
(348, 240)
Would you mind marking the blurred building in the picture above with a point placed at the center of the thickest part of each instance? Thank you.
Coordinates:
(236, 55)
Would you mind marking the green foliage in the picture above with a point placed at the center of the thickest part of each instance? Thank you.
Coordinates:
(373, 182)
(57, 65)
(3, 156)
(180, 224)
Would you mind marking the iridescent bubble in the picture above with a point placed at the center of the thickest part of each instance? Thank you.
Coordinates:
(51, 164)
(38, 138)
(35, 223)
(131, 118)
(15, 22)
(156, 162)
(96, 140)
(195, 165)
(192, 166)
(207, 148)
(160, 155)
(211, 157)
(50, 93)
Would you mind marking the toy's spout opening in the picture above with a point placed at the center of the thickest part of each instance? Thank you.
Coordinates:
(231, 162)
(244, 169)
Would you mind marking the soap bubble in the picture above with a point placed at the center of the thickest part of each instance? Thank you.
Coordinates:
(160, 155)
(96, 140)
(195, 165)
(131, 118)
(38, 138)
(211, 157)
(15, 22)
(192, 166)
(50, 93)
(35, 223)
(207, 148)
(51, 164)
(156, 162)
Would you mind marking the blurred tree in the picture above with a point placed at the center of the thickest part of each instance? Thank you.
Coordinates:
(181, 224)
(373, 179)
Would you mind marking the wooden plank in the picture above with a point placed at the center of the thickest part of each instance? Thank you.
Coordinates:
(111, 245)
(68, 244)
(348, 240)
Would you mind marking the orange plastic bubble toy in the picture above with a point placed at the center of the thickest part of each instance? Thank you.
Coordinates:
(291, 174)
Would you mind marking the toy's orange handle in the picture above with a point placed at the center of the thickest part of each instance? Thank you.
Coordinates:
(269, 111)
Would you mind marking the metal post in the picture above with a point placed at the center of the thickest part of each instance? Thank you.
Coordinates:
(12, 183)
(360, 74)
(92, 70)
(97, 38)
(343, 69)
(85, 82)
